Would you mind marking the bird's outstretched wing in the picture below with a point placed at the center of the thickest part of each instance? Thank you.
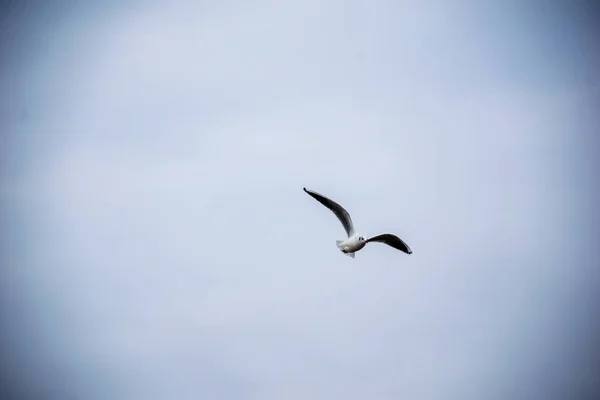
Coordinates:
(338, 210)
(391, 240)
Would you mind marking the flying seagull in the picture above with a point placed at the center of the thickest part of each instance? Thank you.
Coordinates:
(355, 242)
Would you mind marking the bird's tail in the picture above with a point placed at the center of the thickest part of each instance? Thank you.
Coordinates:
(338, 243)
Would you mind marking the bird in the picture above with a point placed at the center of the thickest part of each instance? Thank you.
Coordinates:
(355, 242)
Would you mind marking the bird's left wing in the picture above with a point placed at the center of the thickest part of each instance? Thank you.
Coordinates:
(337, 209)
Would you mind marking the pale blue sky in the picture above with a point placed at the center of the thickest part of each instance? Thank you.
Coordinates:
(156, 242)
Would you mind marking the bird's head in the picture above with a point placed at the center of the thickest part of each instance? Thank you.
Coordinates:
(361, 238)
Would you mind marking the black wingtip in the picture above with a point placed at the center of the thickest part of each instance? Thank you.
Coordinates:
(305, 189)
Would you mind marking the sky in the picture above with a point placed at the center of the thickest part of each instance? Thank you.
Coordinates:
(156, 242)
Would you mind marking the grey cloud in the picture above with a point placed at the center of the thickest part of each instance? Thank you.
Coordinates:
(164, 247)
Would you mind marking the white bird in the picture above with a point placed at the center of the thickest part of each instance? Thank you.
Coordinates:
(355, 242)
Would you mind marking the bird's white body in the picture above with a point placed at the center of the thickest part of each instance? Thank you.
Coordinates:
(355, 242)
(351, 245)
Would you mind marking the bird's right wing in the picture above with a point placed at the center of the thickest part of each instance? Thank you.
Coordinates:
(391, 240)
(338, 210)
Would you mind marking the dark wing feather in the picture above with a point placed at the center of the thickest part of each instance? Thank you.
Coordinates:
(391, 240)
(337, 209)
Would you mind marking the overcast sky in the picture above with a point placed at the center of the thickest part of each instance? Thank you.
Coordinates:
(156, 242)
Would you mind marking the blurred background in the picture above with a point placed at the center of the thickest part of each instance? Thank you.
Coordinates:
(155, 242)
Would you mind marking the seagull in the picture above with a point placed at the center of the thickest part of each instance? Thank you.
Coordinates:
(355, 242)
